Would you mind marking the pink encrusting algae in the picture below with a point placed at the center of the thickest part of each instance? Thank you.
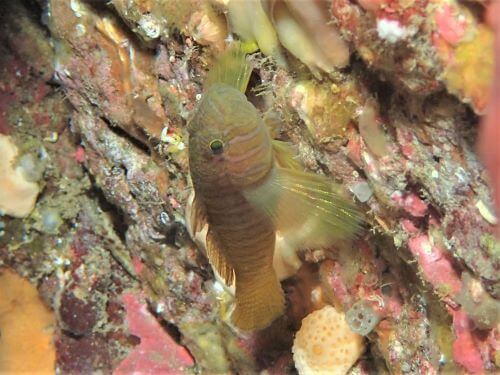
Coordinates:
(436, 265)
(465, 346)
(451, 25)
(157, 351)
(491, 128)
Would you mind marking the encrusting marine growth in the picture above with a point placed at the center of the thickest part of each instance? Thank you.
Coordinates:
(325, 344)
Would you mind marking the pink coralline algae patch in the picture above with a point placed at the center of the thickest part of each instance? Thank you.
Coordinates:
(465, 350)
(398, 10)
(157, 353)
(414, 205)
(354, 146)
(409, 226)
(80, 154)
(332, 276)
(450, 26)
(411, 203)
(466, 52)
(436, 265)
(138, 265)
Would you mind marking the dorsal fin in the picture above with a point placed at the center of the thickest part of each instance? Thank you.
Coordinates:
(231, 68)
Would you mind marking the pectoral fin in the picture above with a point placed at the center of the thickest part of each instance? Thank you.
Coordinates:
(285, 156)
(308, 206)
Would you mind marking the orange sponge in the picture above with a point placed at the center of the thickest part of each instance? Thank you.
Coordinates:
(26, 327)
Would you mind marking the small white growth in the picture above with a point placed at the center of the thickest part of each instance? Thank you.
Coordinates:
(160, 308)
(77, 8)
(52, 137)
(218, 287)
(59, 261)
(486, 212)
(173, 140)
(362, 191)
(31, 167)
(316, 295)
(80, 29)
(150, 26)
(285, 260)
(164, 219)
(51, 220)
(390, 30)
(164, 134)
(169, 139)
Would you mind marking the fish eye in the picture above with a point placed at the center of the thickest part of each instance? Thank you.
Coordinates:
(216, 146)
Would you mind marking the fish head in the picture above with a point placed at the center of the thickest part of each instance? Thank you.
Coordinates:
(228, 140)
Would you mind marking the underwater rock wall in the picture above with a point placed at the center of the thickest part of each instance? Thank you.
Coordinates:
(98, 94)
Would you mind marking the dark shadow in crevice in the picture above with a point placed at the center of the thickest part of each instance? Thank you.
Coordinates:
(130, 139)
(116, 215)
(169, 328)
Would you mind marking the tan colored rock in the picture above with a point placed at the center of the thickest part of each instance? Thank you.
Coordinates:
(17, 194)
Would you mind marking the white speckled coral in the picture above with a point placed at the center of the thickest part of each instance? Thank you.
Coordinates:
(325, 344)
(17, 194)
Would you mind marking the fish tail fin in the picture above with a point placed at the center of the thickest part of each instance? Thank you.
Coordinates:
(231, 68)
(259, 301)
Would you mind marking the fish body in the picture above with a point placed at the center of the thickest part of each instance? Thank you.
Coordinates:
(248, 188)
(244, 236)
